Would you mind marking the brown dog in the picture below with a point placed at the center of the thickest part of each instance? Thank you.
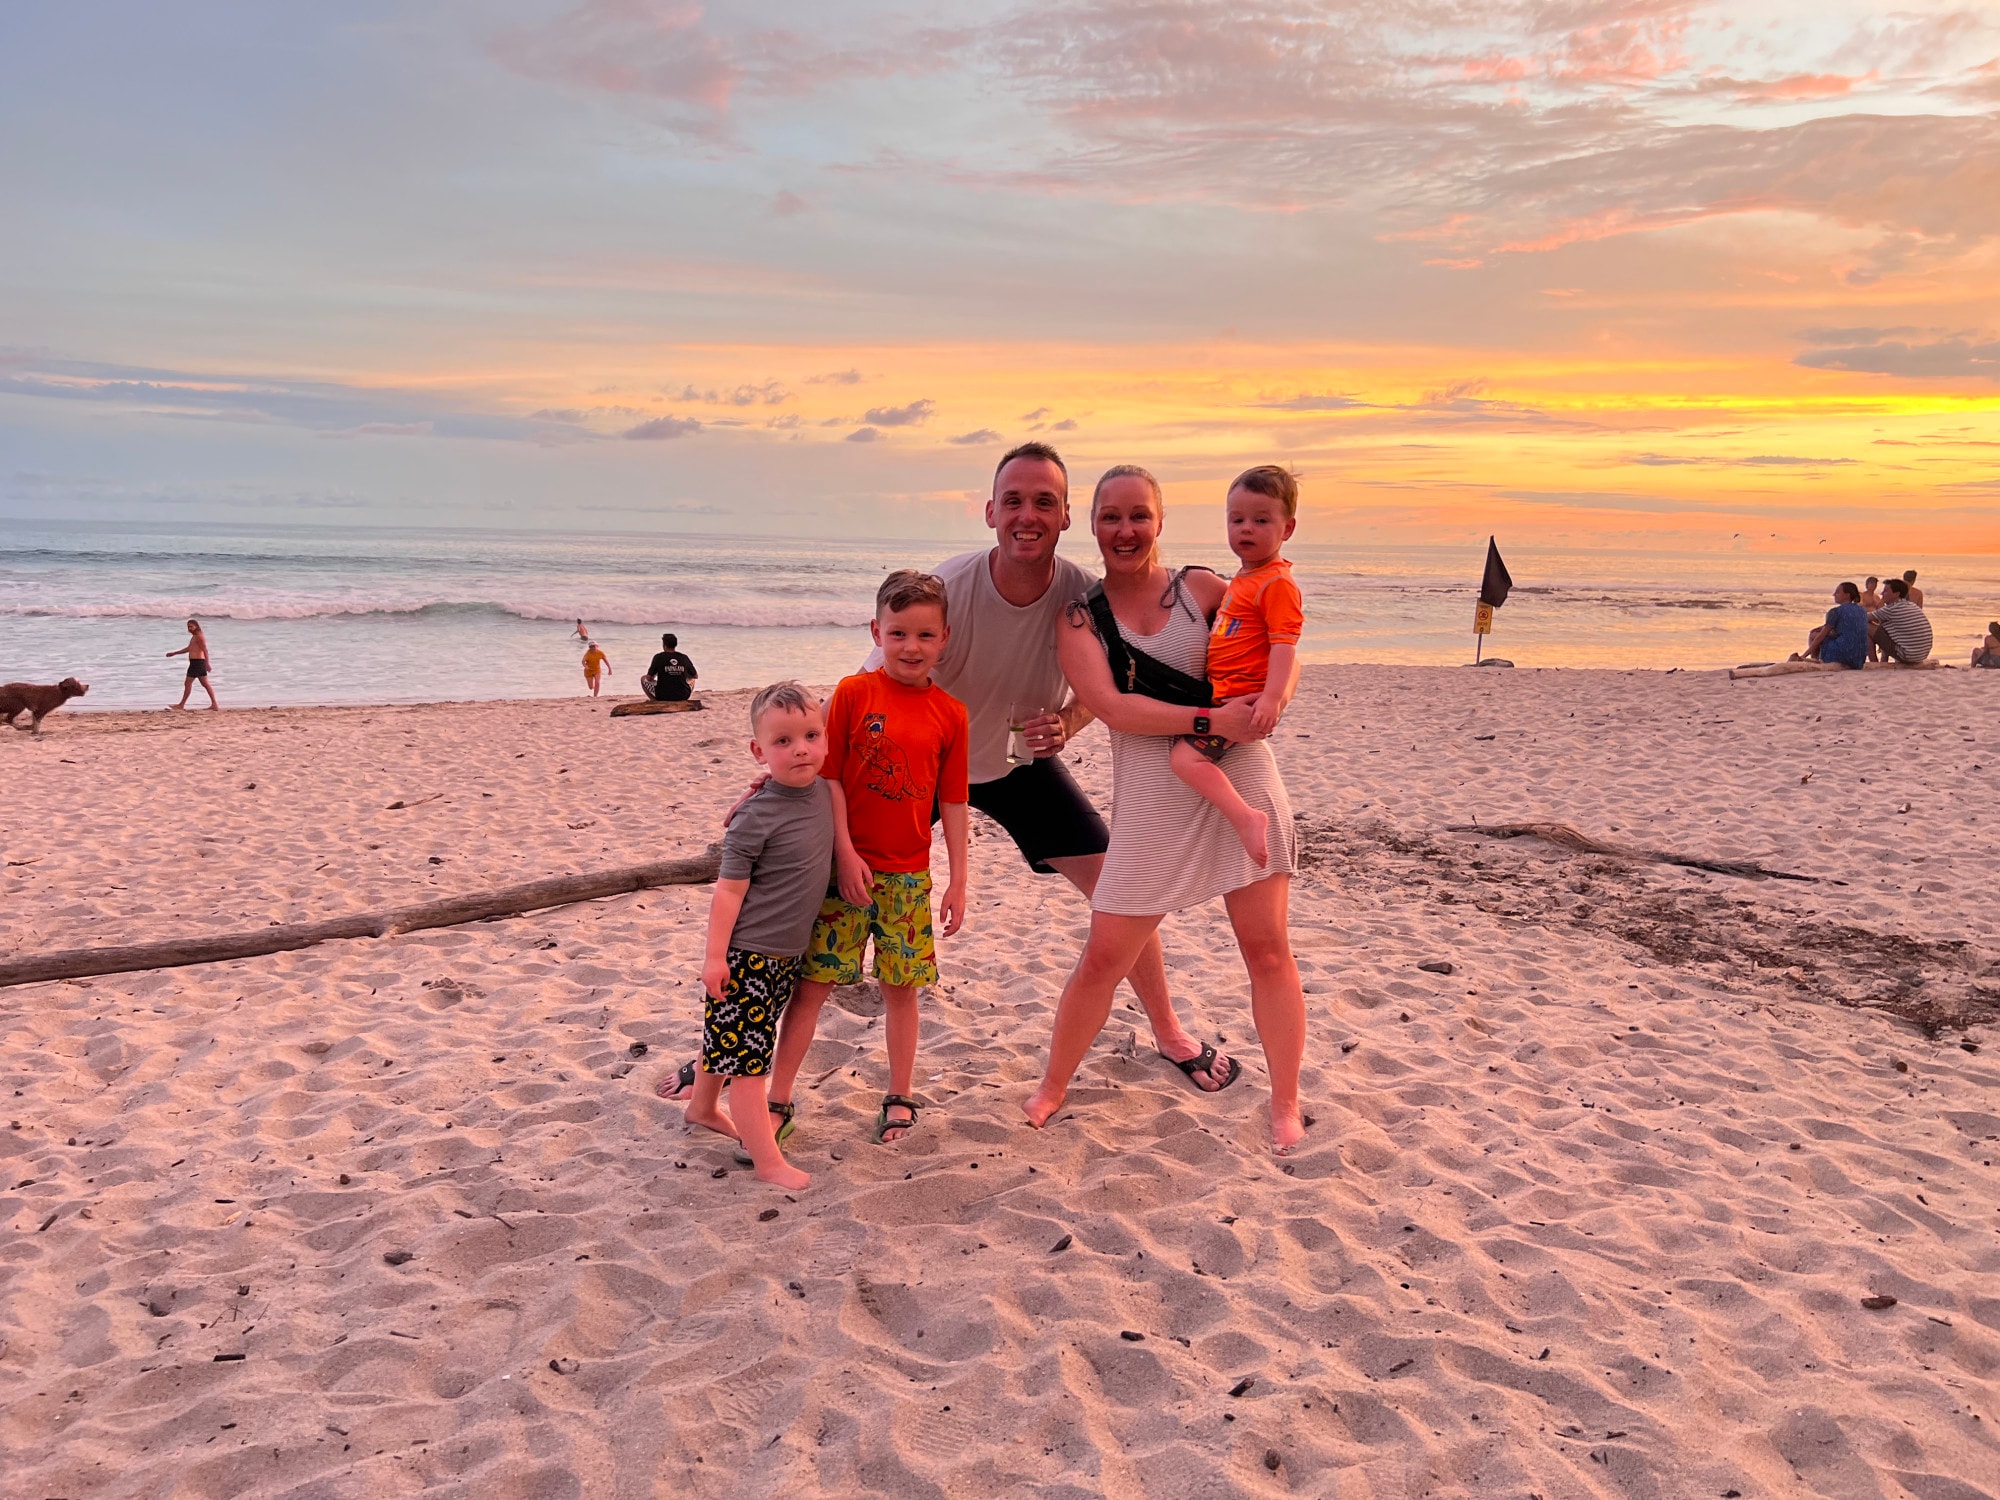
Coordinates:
(17, 698)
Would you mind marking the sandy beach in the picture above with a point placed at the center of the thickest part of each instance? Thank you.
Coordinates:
(1591, 1214)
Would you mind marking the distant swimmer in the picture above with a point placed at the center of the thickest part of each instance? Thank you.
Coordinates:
(580, 633)
(596, 665)
(196, 651)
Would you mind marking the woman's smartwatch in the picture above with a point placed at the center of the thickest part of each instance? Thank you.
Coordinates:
(1201, 723)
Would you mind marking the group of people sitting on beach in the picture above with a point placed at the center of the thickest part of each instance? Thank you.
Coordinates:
(983, 672)
(1866, 625)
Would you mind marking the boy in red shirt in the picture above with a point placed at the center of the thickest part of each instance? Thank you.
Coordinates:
(1253, 650)
(896, 746)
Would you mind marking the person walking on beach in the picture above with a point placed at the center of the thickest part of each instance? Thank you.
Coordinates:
(196, 651)
(596, 665)
(1007, 603)
(1170, 849)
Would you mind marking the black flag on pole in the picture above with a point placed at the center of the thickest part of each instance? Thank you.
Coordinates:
(1494, 586)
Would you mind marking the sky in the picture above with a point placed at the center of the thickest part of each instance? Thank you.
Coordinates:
(1630, 273)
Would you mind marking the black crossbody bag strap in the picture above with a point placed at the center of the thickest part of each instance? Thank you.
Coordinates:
(1136, 672)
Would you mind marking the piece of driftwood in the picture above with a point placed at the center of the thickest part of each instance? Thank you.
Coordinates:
(564, 890)
(1566, 837)
(648, 706)
(1791, 668)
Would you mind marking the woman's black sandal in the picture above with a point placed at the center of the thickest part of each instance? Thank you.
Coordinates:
(1200, 1062)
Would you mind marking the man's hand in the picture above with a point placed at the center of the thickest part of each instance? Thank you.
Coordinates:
(855, 877)
(1047, 734)
(715, 976)
(951, 914)
(756, 786)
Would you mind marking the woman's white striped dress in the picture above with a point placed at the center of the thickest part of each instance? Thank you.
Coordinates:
(1170, 848)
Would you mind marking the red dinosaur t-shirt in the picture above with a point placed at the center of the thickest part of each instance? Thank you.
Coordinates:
(895, 750)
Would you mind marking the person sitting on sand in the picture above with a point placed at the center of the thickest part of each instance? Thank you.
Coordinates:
(777, 857)
(196, 651)
(1253, 652)
(1910, 582)
(595, 665)
(1900, 629)
(1987, 653)
(670, 678)
(1871, 593)
(1843, 639)
(1171, 849)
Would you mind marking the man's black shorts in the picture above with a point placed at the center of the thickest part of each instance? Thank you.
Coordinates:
(1045, 813)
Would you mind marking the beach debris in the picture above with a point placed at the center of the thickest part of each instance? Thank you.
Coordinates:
(413, 802)
(399, 1257)
(452, 911)
(1437, 966)
(767, 1216)
(1062, 1244)
(638, 1049)
(1131, 1336)
(1879, 1302)
(228, 1359)
(345, 1179)
(53, 1217)
(436, 859)
(1565, 837)
(1242, 1385)
(1271, 1459)
(1807, 777)
(563, 1365)
(719, 1173)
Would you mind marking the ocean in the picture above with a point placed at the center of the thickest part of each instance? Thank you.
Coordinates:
(299, 615)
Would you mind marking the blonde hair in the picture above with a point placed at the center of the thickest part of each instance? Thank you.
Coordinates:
(1274, 482)
(785, 695)
(906, 587)
(1127, 471)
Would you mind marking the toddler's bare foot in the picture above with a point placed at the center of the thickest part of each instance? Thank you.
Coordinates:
(712, 1119)
(786, 1176)
(1042, 1104)
(1287, 1130)
(1255, 831)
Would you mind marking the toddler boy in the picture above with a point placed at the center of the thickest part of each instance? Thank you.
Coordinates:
(1253, 650)
(896, 748)
(777, 854)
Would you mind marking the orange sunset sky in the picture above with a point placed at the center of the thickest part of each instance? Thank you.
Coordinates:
(1619, 272)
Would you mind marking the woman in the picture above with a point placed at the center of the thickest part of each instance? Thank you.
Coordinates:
(1987, 653)
(1170, 848)
(196, 651)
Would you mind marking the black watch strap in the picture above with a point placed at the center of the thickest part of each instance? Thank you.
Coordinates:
(1201, 723)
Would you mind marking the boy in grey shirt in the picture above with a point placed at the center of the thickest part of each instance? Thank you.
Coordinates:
(777, 858)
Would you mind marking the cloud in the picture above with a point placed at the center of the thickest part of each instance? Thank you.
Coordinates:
(761, 393)
(836, 377)
(1954, 358)
(913, 415)
(1036, 415)
(568, 414)
(1754, 461)
(788, 205)
(383, 429)
(970, 439)
(1067, 424)
(864, 435)
(662, 429)
(1313, 403)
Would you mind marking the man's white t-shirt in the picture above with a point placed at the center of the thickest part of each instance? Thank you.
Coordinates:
(1001, 655)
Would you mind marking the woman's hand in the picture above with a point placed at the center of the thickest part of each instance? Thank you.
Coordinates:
(1236, 721)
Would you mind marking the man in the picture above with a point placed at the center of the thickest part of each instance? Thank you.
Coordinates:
(671, 676)
(1004, 602)
(1910, 582)
(1900, 629)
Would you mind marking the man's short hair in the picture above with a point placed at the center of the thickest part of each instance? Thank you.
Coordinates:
(1273, 481)
(1897, 587)
(1849, 592)
(1873, 580)
(670, 641)
(1032, 450)
(1909, 575)
(788, 695)
(906, 588)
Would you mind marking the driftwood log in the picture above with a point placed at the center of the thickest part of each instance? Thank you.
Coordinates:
(565, 890)
(1566, 837)
(653, 706)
